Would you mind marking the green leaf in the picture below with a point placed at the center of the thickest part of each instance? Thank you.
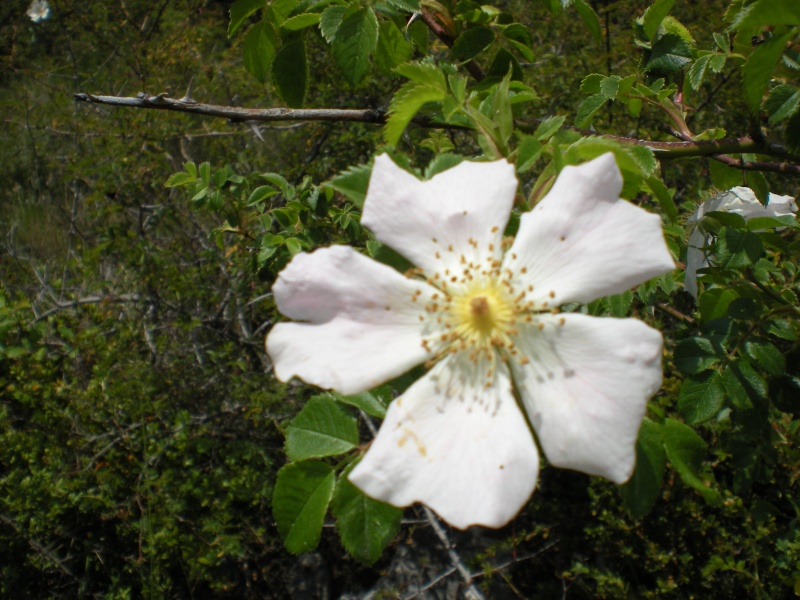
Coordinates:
(589, 108)
(737, 249)
(713, 303)
(471, 42)
(757, 71)
(791, 136)
(697, 354)
(299, 503)
(768, 12)
(409, 6)
(724, 177)
(352, 183)
(664, 197)
(370, 403)
(259, 50)
(441, 163)
(697, 71)
(181, 179)
(356, 39)
(528, 151)
(619, 304)
(322, 428)
(746, 388)
(766, 357)
(591, 83)
(240, 11)
(642, 490)
(686, 451)
(548, 128)
(654, 15)
(365, 525)
(302, 21)
(405, 104)
(589, 18)
(290, 73)
(393, 49)
(701, 397)
(520, 38)
(669, 54)
(782, 102)
(330, 20)
(423, 72)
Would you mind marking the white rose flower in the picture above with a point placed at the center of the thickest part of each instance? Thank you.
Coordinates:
(739, 200)
(481, 312)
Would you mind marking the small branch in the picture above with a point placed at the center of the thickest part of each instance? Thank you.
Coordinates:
(88, 300)
(237, 113)
(439, 31)
(472, 593)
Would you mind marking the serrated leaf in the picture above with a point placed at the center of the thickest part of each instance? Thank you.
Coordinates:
(669, 54)
(697, 71)
(441, 163)
(713, 303)
(410, 6)
(290, 73)
(610, 86)
(368, 402)
(697, 354)
(768, 12)
(299, 503)
(654, 15)
(746, 388)
(757, 71)
(404, 106)
(355, 41)
(423, 72)
(686, 451)
(642, 490)
(240, 11)
(548, 128)
(259, 50)
(701, 397)
(791, 135)
(766, 357)
(365, 525)
(737, 249)
(393, 49)
(528, 151)
(330, 20)
(322, 428)
(298, 22)
(589, 108)
(591, 83)
(664, 197)
(471, 42)
(782, 102)
(619, 304)
(520, 38)
(589, 18)
(352, 183)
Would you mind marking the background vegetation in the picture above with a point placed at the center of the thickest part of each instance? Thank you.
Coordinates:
(141, 430)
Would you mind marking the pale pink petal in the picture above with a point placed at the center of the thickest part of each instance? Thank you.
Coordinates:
(586, 387)
(582, 242)
(363, 318)
(451, 443)
(459, 212)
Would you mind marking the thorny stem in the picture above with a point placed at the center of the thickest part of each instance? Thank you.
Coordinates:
(716, 149)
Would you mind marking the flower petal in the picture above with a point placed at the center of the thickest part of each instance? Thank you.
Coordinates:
(582, 241)
(432, 222)
(461, 448)
(364, 321)
(586, 387)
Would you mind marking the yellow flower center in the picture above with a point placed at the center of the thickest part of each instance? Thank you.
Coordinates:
(482, 316)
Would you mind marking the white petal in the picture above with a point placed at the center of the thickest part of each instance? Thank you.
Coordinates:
(582, 241)
(418, 219)
(364, 327)
(449, 442)
(586, 388)
(695, 259)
